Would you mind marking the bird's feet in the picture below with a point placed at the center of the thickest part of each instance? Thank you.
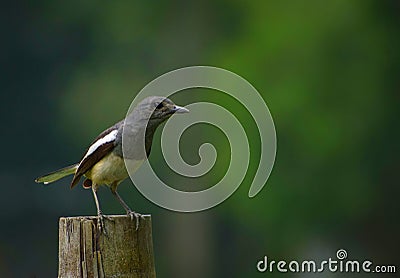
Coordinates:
(100, 223)
(135, 215)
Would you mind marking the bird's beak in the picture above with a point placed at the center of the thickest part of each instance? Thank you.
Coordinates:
(180, 109)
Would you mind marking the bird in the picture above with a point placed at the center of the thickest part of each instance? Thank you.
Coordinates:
(103, 162)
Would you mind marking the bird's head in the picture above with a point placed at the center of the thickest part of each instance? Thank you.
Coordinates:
(156, 109)
(164, 107)
(141, 123)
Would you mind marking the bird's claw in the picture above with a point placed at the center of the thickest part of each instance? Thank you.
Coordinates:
(100, 223)
(137, 216)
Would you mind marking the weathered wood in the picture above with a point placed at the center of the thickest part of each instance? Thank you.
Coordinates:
(121, 252)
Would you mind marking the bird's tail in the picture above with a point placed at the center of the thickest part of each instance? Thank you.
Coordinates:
(56, 175)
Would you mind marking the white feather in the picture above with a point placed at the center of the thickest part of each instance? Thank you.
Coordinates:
(108, 138)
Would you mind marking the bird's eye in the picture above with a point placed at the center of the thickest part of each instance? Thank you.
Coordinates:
(160, 105)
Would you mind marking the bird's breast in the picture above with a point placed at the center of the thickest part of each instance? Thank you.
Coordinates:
(111, 169)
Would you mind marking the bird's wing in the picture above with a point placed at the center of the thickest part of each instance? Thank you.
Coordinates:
(100, 147)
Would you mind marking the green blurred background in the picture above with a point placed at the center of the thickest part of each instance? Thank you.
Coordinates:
(328, 70)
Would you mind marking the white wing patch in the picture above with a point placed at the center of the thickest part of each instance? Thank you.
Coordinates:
(108, 138)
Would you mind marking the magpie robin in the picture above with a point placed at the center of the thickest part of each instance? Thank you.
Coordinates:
(103, 162)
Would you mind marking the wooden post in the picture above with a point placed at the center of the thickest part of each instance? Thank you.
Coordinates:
(121, 252)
